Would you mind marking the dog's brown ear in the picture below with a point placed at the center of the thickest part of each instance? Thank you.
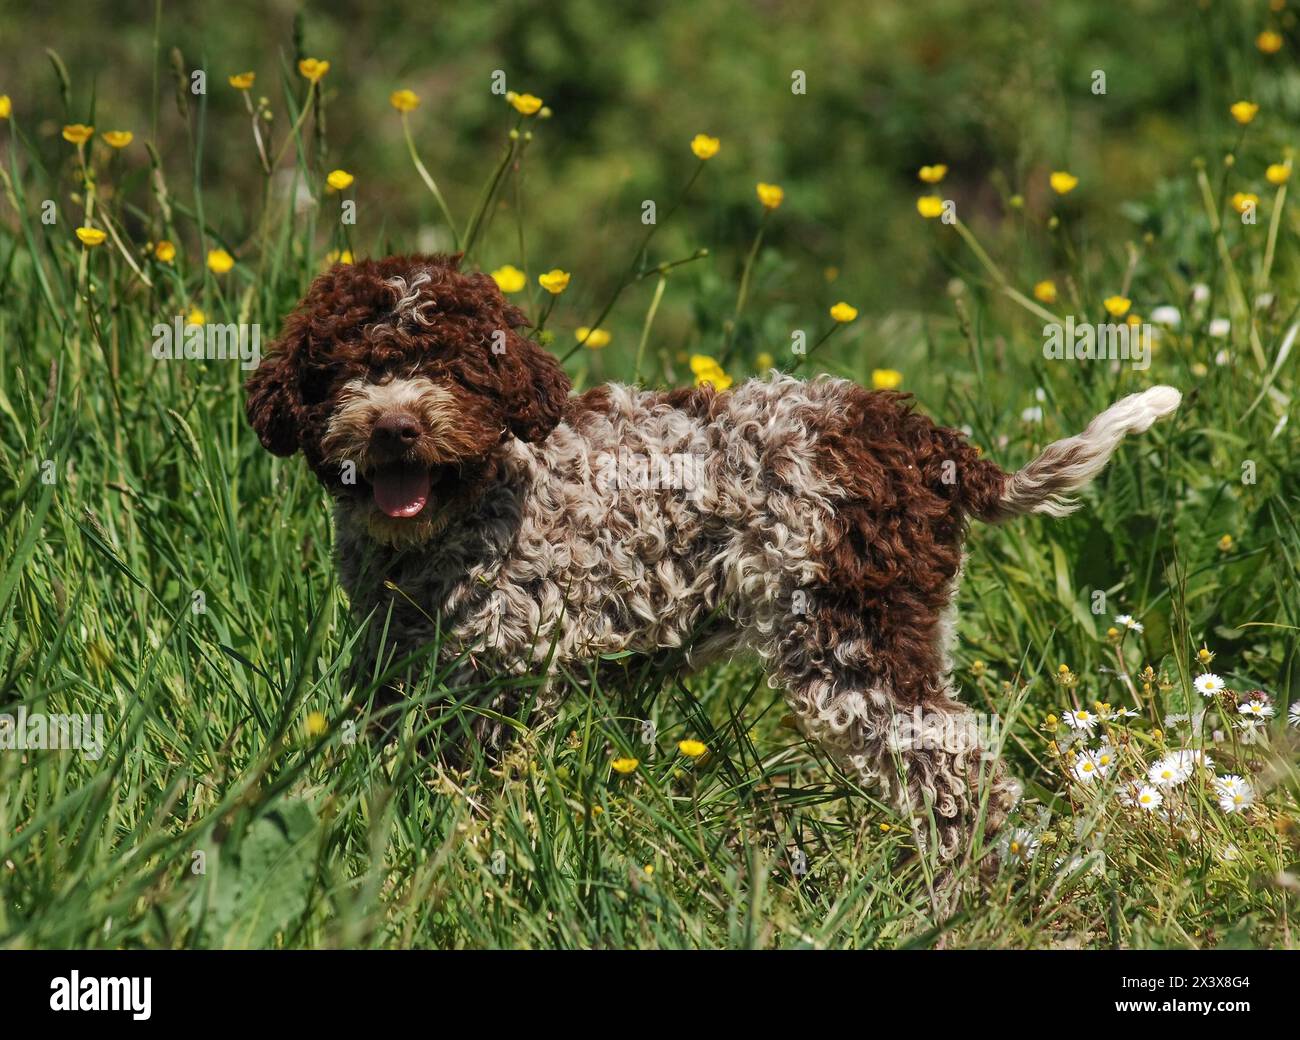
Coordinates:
(274, 400)
(535, 389)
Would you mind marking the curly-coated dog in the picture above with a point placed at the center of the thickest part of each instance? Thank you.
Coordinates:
(815, 523)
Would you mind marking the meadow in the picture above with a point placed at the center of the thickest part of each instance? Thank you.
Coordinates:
(903, 197)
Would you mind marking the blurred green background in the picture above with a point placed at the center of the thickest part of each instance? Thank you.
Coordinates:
(1001, 92)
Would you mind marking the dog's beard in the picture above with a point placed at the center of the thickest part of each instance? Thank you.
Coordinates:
(406, 534)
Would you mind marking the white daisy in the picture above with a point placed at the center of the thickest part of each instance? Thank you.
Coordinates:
(1251, 732)
(1020, 844)
(1128, 622)
(1166, 315)
(1032, 415)
(1231, 782)
(1293, 716)
(1208, 685)
(1200, 292)
(1106, 713)
(1235, 793)
(1220, 327)
(1229, 853)
(1149, 799)
(1170, 771)
(1104, 757)
(1082, 719)
(1086, 769)
(1256, 709)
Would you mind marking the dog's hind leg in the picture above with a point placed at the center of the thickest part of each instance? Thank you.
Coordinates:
(890, 724)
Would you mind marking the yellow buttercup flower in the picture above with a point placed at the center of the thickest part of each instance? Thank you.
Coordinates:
(886, 379)
(1135, 320)
(509, 279)
(313, 69)
(339, 179)
(1278, 174)
(770, 195)
(1117, 306)
(691, 748)
(1269, 41)
(1045, 291)
(525, 104)
(165, 251)
(1244, 111)
(1245, 200)
(243, 80)
(404, 100)
(704, 146)
(78, 133)
(118, 138)
(91, 237)
(554, 281)
(592, 339)
(843, 312)
(932, 174)
(929, 206)
(625, 765)
(708, 371)
(6, 106)
(219, 261)
(195, 317)
(1063, 182)
(764, 361)
(315, 724)
(1225, 543)
(335, 256)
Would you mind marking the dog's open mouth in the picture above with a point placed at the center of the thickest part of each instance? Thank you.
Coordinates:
(401, 489)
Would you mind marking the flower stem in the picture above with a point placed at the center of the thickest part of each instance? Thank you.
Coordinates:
(742, 295)
(649, 320)
(488, 193)
(632, 274)
(429, 182)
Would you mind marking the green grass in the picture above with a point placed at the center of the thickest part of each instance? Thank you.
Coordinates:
(218, 816)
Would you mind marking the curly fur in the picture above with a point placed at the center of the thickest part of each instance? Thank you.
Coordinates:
(823, 528)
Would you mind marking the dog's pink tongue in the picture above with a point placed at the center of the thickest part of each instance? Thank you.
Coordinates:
(401, 490)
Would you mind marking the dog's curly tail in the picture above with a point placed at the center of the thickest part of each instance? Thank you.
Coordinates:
(1069, 464)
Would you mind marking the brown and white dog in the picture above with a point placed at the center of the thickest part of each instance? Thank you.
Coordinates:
(818, 525)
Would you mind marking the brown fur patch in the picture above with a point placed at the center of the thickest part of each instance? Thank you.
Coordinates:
(896, 539)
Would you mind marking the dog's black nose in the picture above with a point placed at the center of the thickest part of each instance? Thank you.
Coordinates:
(395, 430)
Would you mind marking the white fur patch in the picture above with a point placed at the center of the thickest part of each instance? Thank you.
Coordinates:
(1069, 464)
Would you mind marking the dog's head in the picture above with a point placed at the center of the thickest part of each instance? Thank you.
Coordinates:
(399, 380)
